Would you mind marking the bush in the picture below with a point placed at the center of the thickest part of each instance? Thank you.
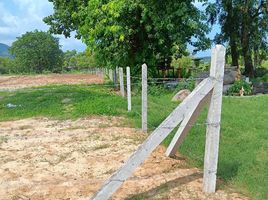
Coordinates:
(157, 89)
(186, 84)
(236, 87)
(260, 72)
(264, 78)
(7, 66)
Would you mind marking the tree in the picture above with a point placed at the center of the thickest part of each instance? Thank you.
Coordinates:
(86, 60)
(243, 24)
(37, 51)
(129, 32)
(69, 58)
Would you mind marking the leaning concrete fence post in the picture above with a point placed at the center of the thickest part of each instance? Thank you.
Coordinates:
(144, 98)
(128, 90)
(153, 140)
(121, 80)
(213, 120)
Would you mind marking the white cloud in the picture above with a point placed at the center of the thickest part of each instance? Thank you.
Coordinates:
(28, 16)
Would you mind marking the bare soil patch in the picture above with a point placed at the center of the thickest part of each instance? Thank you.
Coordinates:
(70, 160)
(17, 82)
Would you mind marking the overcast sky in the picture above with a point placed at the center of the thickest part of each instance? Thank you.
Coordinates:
(20, 16)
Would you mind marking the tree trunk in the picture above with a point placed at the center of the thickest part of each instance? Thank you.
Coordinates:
(249, 70)
(234, 52)
(246, 51)
(232, 33)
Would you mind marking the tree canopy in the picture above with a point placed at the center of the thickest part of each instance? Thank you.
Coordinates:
(129, 32)
(37, 52)
(83, 60)
(244, 25)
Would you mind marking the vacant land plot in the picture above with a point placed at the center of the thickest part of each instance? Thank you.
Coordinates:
(52, 159)
(31, 153)
(16, 82)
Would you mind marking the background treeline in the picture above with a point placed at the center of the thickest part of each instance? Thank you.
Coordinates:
(40, 52)
(131, 32)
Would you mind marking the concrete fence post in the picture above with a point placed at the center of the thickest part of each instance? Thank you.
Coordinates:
(121, 80)
(115, 78)
(144, 98)
(213, 120)
(111, 74)
(128, 90)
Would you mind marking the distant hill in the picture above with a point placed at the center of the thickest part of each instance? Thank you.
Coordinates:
(4, 50)
(206, 59)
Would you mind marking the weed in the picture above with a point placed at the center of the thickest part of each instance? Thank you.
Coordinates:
(99, 147)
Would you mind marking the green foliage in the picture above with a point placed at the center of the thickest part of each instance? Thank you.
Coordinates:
(183, 62)
(79, 61)
(157, 89)
(260, 71)
(85, 60)
(127, 32)
(49, 101)
(244, 26)
(264, 78)
(243, 146)
(7, 65)
(237, 86)
(265, 64)
(69, 59)
(36, 52)
(186, 84)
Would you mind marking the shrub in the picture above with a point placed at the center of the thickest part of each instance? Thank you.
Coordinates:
(156, 89)
(264, 78)
(236, 87)
(186, 84)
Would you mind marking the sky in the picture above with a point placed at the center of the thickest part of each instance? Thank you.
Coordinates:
(20, 16)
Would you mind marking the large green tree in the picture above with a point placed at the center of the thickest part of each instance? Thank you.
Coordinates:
(243, 24)
(129, 32)
(37, 51)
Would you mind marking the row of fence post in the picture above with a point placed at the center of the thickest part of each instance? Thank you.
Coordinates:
(113, 76)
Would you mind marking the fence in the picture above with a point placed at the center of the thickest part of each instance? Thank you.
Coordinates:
(185, 115)
(208, 91)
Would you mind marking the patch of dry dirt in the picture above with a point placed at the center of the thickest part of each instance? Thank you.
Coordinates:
(69, 160)
(17, 82)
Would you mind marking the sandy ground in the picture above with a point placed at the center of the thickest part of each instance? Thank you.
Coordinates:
(69, 160)
(17, 82)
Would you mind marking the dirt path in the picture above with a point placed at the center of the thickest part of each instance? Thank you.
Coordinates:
(69, 160)
(17, 82)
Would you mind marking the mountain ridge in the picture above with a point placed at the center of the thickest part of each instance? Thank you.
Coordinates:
(4, 50)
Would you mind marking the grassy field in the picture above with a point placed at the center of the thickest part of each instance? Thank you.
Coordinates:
(243, 157)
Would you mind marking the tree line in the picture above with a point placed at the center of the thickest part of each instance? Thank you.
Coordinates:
(130, 32)
(40, 52)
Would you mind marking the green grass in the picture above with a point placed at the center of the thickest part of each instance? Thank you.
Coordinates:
(51, 102)
(243, 158)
